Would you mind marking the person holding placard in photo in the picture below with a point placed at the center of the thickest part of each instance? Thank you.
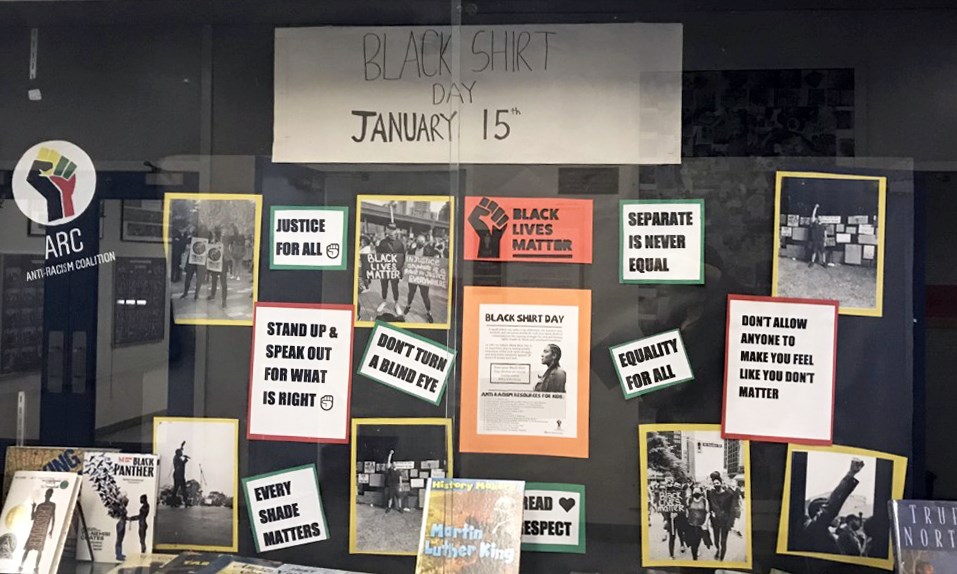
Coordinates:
(391, 244)
(195, 260)
(214, 266)
(421, 248)
(217, 252)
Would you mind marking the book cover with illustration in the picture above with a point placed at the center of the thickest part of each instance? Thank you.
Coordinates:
(46, 458)
(923, 533)
(35, 520)
(117, 497)
(472, 526)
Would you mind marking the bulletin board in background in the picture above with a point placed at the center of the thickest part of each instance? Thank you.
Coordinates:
(21, 314)
(142, 220)
(738, 252)
(139, 300)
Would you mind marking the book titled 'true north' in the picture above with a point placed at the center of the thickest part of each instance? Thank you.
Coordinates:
(925, 535)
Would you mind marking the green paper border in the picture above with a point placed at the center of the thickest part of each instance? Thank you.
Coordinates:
(621, 380)
(384, 325)
(345, 236)
(564, 548)
(621, 243)
(249, 507)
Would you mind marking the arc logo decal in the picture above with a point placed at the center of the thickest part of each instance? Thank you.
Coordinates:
(54, 182)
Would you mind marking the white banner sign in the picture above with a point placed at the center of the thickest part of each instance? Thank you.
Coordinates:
(541, 94)
(779, 369)
(301, 372)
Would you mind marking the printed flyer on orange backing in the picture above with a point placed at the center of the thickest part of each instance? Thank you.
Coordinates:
(525, 371)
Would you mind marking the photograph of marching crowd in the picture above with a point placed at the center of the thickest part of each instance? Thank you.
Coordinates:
(213, 244)
(694, 497)
(403, 260)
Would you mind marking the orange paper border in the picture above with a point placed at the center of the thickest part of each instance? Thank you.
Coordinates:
(469, 439)
(574, 223)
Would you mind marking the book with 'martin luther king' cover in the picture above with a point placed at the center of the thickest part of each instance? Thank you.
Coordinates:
(924, 534)
(35, 520)
(118, 498)
(472, 526)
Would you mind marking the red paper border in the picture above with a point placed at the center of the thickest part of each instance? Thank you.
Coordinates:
(252, 355)
(724, 397)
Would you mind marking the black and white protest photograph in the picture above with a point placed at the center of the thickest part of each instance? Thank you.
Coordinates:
(830, 239)
(836, 503)
(695, 497)
(212, 241)
(198, 474)
(392, 462)
(404, 260)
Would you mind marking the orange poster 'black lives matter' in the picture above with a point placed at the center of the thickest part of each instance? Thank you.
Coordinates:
(533, 229)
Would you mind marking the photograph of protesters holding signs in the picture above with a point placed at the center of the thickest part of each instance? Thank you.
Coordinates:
(404, 260)
(211, 280)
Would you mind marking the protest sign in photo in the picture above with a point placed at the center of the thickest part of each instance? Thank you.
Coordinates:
(212, 242)
(695, 497)
(404, 258)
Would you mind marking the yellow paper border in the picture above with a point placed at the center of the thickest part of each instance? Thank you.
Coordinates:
(258, 199)
(236, 494)
(353, 490)
(646, 560)
(356, 257)
(897, 491)
(878, 309)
